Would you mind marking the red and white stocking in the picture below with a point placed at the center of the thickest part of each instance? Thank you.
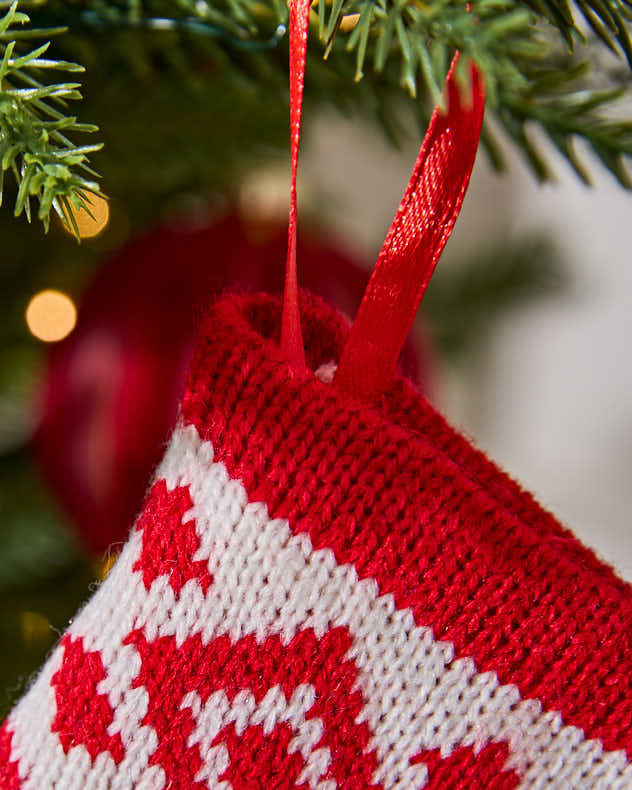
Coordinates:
(327, 586)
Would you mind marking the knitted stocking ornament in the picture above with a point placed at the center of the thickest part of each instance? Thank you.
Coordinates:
(327, 586)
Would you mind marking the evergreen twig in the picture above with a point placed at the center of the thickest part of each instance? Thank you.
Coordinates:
(409, 44)
(34, 147)
(397, 43)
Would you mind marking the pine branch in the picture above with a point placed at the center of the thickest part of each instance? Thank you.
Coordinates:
(395, 44)
(529, 79)
(565, 112)
(389, 46)
(34, 147)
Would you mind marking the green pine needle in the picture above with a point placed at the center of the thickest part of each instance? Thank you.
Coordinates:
(528, 79)
(46, 165)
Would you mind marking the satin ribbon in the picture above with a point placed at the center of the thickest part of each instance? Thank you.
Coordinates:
(291, 335)
(415, 241)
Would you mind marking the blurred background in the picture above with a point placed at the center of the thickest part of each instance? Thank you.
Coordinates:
(523, 340)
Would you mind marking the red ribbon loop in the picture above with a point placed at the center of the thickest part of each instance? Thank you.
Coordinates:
(291, 335)
(420, 230)
(414, 243)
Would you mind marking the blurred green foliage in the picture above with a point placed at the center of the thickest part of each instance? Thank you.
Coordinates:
(464, 303)
(44, 575)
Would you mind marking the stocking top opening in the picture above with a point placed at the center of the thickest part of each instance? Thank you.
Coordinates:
(421, 227)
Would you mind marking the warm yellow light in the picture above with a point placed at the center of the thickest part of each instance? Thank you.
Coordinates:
(90, 226)
(35, 628)
(348, 22)
(51, 315)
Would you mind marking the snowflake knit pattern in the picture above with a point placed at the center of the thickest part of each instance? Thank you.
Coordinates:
(323, 594)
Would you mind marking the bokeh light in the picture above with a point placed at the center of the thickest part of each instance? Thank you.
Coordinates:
(90, 226)
(51, 315)
(348, 22)
(35, 628)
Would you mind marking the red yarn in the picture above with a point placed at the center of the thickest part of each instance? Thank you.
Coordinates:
(9, 776)
(169, 543)
(466, 770)
(358, 598)
(83, 714)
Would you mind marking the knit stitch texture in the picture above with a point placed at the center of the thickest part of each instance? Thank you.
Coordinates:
(324, 594)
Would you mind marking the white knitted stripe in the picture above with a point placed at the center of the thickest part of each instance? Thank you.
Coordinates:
(267, 580)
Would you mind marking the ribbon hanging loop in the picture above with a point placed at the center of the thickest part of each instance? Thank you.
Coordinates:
(291, 334)
(422, 225)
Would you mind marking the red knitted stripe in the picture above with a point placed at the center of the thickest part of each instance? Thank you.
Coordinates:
(168, 543)
(405, 408)
(465, 770)
(83, 715)
(170, 671)
(451, 538)
(258, 762)
(9, 777)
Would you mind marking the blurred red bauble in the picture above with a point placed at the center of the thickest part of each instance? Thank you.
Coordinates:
(112, 387)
